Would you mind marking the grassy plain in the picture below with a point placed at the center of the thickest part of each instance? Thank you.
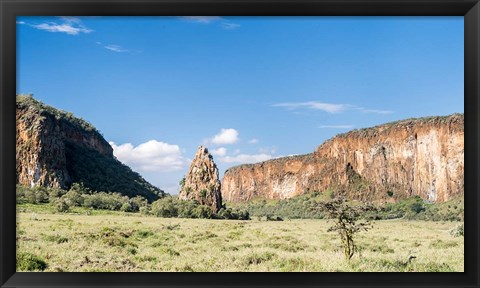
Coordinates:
(117, 241)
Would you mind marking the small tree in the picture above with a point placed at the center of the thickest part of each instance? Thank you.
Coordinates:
(347, 222)
(182, 183)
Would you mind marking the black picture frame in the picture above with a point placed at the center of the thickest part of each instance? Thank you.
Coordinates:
(9, 9)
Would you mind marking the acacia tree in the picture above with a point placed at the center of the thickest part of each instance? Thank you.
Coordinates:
(347, 221)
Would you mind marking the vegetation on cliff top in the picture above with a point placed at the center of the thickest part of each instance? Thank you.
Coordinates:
(403, 122)
(27, 101)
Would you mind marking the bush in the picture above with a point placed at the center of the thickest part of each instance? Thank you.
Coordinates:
(30, 262)
(165, 207)
(299, 207)
(145, 210)
(229, 213)
(33, 195)
(62, 205)
(202, 211)
(126, 207)
(137, 202)
(55, 193)
(103, 200)
(186, 209)
(80, 188)
(73, 198)
(457, 231)
(274, 218)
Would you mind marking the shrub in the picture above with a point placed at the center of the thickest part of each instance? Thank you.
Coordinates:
(33, 195)
(225, 213)
(274, 218)
(102, 200)
(145, 210)
(202, 211)
(55, 193)
(80, 188)
(73, 198)
(417, 207)
(62, 205)
(243, 215)
(30, 262)
(126, 207)
(457, 231)
(299, 207)
(165, 207)
(137, 202)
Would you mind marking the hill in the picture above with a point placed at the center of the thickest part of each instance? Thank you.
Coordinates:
(56, 149)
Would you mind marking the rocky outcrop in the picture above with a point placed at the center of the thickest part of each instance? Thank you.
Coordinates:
(423, 157)
(201, 182)
(56, 149)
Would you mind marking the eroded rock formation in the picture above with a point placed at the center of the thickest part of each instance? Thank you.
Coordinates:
(423, 157)
(56, 149)
(201, 182)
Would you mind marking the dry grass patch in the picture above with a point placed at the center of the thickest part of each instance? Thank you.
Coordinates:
(114, 242)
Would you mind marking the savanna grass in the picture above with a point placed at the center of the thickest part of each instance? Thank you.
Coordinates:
(119, 241)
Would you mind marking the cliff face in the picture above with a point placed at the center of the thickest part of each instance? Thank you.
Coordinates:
(201, 182)
(423, 157)
(56, 149)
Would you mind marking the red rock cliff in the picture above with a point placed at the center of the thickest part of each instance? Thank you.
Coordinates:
(41, 159)
(423, 157)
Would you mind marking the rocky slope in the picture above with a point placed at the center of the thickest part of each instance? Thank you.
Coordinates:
(56, 149)
(201, 182)
(423, 157)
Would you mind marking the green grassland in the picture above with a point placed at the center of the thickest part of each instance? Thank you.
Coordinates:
(99, 240)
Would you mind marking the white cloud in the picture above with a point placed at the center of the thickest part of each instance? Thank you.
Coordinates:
(151, 156)
(268, 150)
(225, 136)
(246, 158)
(327, 107)
(115, 48)
(337, 126)
(68, 25)
(230, 26)
(222, 151)
(201, 19)
(70, 19)
(364, 110)
(63, 28)
(253, 141)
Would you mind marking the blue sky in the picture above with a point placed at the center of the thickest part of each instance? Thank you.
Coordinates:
(248, 88)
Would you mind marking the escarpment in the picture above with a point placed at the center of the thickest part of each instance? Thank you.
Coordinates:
(423, 157)
(55, 149)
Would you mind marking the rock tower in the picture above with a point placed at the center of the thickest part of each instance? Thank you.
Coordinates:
(201, 182)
